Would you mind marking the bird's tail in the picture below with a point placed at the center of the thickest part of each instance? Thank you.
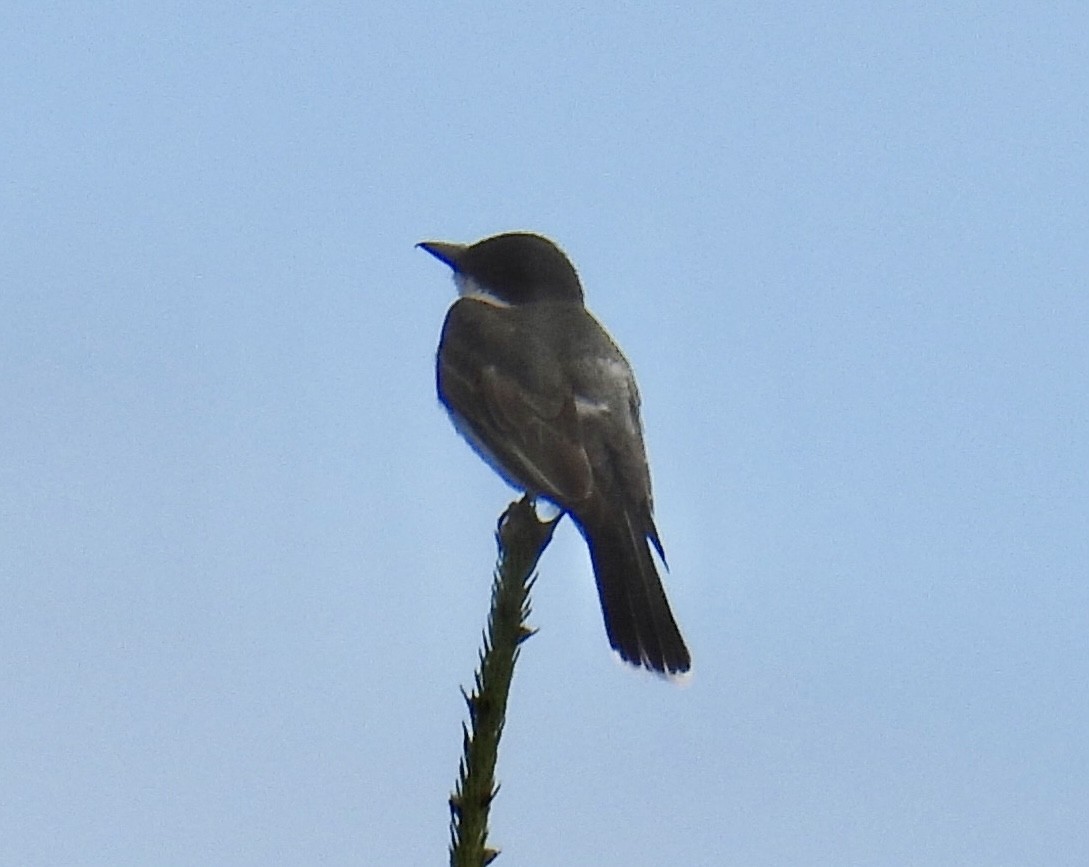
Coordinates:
(638, 618)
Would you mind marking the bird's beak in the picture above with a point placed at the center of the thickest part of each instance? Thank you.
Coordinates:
(444, 251)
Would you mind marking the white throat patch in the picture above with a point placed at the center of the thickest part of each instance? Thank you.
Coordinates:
(469, 288)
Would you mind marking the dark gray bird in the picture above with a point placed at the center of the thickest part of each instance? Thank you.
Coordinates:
(544, 395)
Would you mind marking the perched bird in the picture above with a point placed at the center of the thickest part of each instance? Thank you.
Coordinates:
(540, 390)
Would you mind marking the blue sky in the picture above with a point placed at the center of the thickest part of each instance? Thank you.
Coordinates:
(245, 559)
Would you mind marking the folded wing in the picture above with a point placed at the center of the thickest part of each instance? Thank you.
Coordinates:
(520, 413)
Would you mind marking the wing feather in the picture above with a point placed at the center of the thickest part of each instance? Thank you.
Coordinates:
(519, 413)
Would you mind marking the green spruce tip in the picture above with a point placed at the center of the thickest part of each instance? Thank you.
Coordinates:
(521, 539)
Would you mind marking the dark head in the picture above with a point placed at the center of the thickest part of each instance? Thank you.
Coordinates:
(515, 268)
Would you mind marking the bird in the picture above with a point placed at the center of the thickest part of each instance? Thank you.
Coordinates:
(539, 389)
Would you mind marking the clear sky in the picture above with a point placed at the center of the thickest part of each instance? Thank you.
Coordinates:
(245, 559)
